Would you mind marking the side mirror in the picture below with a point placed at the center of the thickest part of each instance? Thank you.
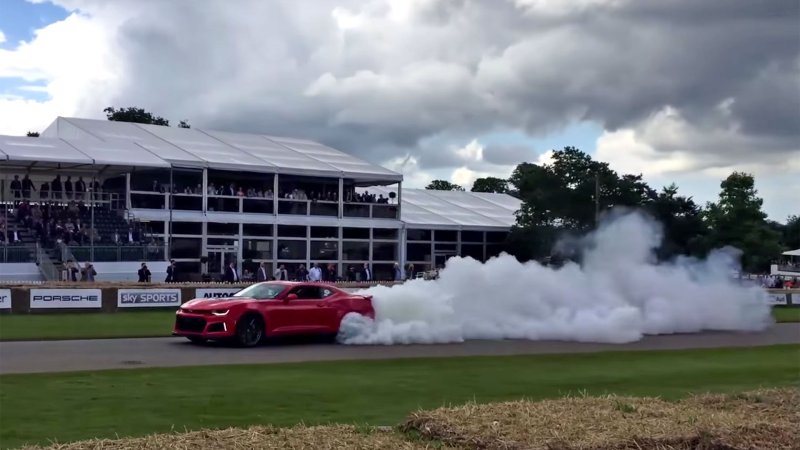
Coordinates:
(291, 297)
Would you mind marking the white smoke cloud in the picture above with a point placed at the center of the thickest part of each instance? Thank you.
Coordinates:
(619, 294)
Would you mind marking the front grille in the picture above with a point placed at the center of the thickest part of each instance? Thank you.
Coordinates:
(195, 324)
(216, 327)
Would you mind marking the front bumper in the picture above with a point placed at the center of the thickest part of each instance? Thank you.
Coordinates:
(203, 326)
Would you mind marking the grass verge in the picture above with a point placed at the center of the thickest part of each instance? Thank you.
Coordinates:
(786, 313)
(81, 325)
(74, 406)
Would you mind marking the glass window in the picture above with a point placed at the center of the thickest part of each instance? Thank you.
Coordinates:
(291, 231)
(445, 236)
(355, 251)
(186, 248)
(154, 227)
(261, 291)
(325, 232)
(187, 228)
(257, 249)
(493, 250)
(224, 229)
(472, 236)
(292, 249)
(356, 233)
(218, 241)
(384, 233)
(474, 251)
(446, 247)
(325, 250)
(418, 252)
(325, 292)
(384, 251)
(418, 235)
(257, 229)
(496, 236)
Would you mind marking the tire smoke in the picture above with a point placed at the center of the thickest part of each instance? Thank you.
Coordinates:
(619, 294)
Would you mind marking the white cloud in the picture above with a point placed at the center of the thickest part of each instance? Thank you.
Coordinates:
(2, 37)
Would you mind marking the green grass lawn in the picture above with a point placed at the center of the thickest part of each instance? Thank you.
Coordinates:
(787, 314)
(73, 406)
(83, 325)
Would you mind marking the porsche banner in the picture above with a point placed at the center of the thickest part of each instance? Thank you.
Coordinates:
(148, 298)
(66, 298)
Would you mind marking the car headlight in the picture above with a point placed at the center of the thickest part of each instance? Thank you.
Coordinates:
(219, 313)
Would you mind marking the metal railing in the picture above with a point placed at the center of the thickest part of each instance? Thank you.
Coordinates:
(46, 266)
(262, 205)
(115, 253)
(789, 268)
(17, 253)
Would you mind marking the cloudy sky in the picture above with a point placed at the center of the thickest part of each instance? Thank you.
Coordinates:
(679, 90)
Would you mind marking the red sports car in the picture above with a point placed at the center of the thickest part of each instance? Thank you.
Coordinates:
(273, 308)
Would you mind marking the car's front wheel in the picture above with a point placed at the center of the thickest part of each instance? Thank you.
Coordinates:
(249, 331)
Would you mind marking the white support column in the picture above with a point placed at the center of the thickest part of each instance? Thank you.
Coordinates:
(275, 190)
(341, 197)
(128, 191)
(401, 252)
(205, 192)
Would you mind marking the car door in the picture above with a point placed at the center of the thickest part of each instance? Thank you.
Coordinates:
(299, 315)
(327, 311)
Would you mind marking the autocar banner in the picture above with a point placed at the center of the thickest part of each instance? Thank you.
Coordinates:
(5, 298)
(148, 298)
(221, 292)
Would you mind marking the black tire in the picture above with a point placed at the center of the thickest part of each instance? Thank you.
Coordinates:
(197, 340)
(250, 331)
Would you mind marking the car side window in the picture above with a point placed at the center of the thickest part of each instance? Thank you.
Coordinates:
(306, 292)
(325, 293)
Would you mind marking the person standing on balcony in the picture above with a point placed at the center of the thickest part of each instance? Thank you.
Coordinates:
(172, 273)
(16, 188)
(27, 187)
(261, 275)
(144, 274)
(315, 274)
(231, 275)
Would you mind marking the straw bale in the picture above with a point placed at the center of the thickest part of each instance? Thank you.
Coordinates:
(754, 420)
(258, 437)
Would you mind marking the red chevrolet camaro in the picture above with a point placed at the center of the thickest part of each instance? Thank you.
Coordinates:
(274, 308)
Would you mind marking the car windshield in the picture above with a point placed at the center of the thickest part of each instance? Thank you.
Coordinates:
(261, 291)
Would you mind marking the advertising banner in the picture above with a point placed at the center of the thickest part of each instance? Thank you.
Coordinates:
(220, 292)
(778, 299)
(66, 298)
(5, 298)
(148, 298)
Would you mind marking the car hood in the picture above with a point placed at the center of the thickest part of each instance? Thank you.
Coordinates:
(204, 304)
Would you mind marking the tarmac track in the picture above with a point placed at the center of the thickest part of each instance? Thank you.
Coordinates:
(77, 355)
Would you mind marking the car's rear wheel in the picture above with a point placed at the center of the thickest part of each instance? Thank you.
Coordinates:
(197, 340)
(249, 331)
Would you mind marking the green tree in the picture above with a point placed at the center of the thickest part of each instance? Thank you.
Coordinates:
(791, 233)
(490, 184)
(736, 219)
(682, 219)
(135, 115)
(443, 185)
(33, 134)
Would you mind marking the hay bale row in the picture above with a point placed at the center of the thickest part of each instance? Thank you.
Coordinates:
(268, 438)
(768, 419)
(765, 419)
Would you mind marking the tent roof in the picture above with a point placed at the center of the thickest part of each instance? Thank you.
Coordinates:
(55, 152)
(426, 208)
(194, 147)
(792, 252)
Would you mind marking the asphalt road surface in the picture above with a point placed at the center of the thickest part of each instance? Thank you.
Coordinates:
(62, 356)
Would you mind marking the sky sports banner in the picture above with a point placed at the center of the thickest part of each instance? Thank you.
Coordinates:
(66, 298)
(5, 298)
(220, 292)
(148, 298)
